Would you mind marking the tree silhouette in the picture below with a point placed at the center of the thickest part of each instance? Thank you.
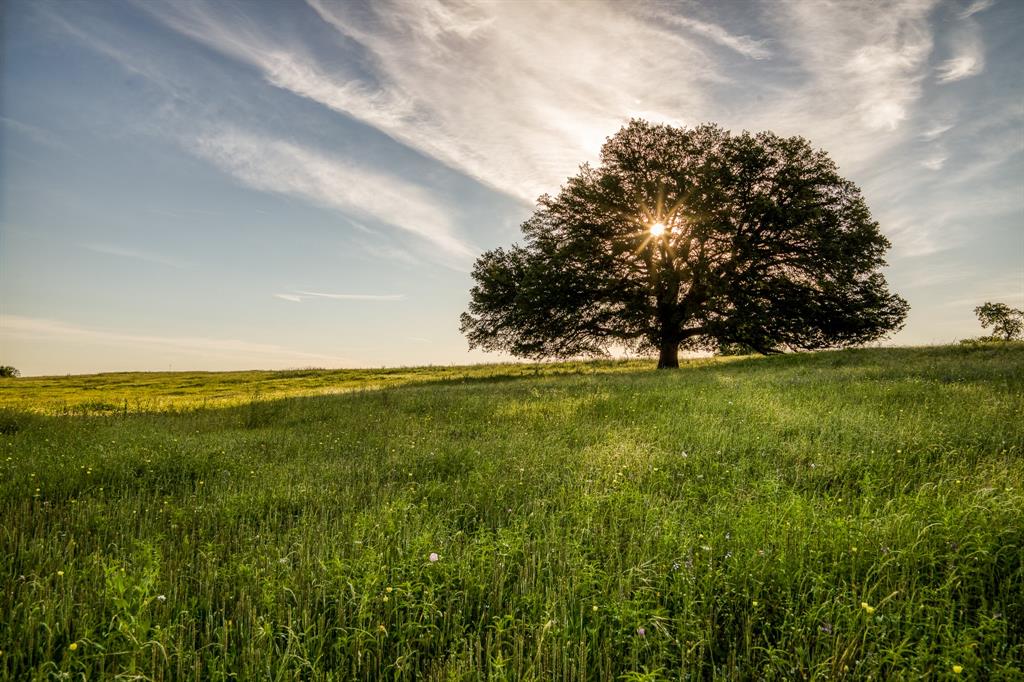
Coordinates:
(689, 238)
(1007, 323)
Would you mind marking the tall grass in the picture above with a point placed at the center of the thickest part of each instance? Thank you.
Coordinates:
(826, 516)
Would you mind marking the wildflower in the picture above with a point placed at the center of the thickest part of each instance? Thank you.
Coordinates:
(389, 589)
(161, 598)
(386, 599)
(957, 669)
(73, 646)
(867, 607)
(60, 574)
(755, 603)
(434, 557)
(594, 607)
(826, 628)
(382, 628)
(641, 631)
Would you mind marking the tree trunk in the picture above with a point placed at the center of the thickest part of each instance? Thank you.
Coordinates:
(668, 356)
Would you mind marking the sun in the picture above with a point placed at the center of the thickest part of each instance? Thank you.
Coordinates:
(657, 229)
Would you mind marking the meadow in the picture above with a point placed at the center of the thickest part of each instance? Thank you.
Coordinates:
(836, 515)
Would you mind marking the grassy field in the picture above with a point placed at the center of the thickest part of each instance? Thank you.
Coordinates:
(827, 516)
(124, 392)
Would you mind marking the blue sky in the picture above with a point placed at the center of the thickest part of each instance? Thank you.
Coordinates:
(220, 185)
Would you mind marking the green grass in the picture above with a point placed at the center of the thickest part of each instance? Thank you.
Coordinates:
(826, 516)
(123, 392)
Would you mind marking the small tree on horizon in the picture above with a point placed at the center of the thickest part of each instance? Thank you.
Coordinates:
(689, 239)
(6, 371)
(1007, 323)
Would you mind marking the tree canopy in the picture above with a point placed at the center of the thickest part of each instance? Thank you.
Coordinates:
(1007, 323)
(689, 238)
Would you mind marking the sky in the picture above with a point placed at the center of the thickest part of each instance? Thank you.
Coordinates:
(236, 185)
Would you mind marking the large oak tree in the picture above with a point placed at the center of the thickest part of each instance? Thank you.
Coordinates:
(689, 238)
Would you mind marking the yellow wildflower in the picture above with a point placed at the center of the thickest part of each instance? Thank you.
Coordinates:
(957, 669)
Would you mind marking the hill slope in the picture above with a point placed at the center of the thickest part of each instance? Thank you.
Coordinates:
(843, 514)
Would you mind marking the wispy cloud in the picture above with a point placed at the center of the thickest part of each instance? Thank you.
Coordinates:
(299, 296)
(936, 131)
(960, 67)
(136, 254)
(34, 133)
(32, 328)
(517, 98)
(975, 7)
(490, 89)
(866, 68)
(91, 34)
(743, 44)
(354, 297)
(968, 59)
(387, 252)
(944, 219)
(275, 165)
(967, 47)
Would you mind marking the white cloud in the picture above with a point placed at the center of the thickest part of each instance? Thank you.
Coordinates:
(960, 67)
(744, 45)
(934, 163)
(511, 96)
(517, 98)
(968, 54)
(352, 297)
(289, 297)
(136, 254)
(936, 131)
(866, 70)
(975, 7)
(31, 328)
(277, 166)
